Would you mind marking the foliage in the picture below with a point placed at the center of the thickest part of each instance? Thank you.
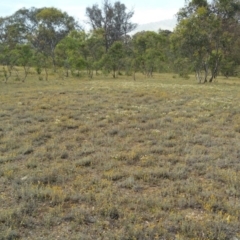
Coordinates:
(205, 41)
(113, 59)
(205, 34)
(33, 30)
(113, 19)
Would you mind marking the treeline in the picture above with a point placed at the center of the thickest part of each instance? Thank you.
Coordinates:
(205, 41)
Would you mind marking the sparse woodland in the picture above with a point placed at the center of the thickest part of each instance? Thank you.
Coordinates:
(105, 135)
(205, 42)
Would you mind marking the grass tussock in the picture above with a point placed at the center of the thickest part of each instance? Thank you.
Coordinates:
(117, 159)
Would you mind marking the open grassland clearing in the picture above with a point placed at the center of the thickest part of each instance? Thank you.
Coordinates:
(117, 159)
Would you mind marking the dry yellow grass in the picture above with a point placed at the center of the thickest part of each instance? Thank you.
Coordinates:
(119, 159)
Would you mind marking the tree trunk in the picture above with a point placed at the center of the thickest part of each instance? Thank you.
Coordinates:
(26, 71)
(7, 73)
(215, 70)
(91, 74)
(151, 72)
(67, 74)
(134, 76)
(17, 73)
(198, 76)
(206, 72)
(46, 73)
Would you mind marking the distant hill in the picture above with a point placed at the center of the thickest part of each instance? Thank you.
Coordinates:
(168, 24)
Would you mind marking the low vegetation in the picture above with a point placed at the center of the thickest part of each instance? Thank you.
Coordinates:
(119, 159)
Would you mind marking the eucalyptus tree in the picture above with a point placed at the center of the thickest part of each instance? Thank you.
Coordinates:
(148, 51)
(8, 60)
(80, 50)
(41, 62)
(229, 13)
(113, 60)
(69, 52)
(167, 53)
(24, 54)
(53, 25)
(114, 19)
(96, 49)
(39, 29)
(72, 52)
(205, 34)
(192, 39)
(11, 35)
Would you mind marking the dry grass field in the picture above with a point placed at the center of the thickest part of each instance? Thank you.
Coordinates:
(116, 159)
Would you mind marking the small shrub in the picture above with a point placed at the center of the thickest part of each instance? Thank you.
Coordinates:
(127, 183)
(64, 155)
(84, 162)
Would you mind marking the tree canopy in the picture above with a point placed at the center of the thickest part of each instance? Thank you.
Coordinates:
(205, 41)
(205, 34)
(113, 19)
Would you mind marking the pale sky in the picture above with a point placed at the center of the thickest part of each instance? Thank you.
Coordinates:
(145, 11)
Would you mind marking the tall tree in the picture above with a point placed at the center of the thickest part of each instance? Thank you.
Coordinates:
(113, 19)
(94, 50)
(148, 51)
(69, 52)
(205, 34)
(11, 35)
(113, 60)
(41, 29)
(52, 26)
